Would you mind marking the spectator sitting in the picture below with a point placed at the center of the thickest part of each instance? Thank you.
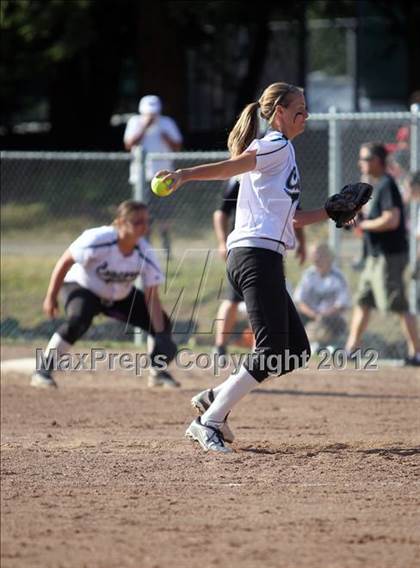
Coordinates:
(322, 296)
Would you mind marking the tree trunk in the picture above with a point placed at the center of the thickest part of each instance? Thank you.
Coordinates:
(413, 47)
(260, 40)
(84, 90)
(161, 60)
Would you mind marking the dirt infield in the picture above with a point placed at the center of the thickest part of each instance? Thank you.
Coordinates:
(326, 473)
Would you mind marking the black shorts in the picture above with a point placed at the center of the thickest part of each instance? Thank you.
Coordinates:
(81, 306)
(257, 275)
(231, 294)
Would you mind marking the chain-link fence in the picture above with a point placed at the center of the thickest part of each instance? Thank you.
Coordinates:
(48, 199)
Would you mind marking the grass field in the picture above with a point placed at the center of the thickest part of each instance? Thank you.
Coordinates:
(195, 274)
(195, 278)
(193, 285)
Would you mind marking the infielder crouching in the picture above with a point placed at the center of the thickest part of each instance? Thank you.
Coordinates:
(96, 275)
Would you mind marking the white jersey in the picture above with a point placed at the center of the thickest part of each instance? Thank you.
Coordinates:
(268, 197)
(103, 269)
(152, 142)
(323, 292)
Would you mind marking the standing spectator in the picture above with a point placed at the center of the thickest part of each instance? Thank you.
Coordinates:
(322, 296)
(155, 133)
(381, 282)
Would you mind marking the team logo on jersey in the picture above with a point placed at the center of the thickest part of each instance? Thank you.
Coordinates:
(107, 275)
(293, 185)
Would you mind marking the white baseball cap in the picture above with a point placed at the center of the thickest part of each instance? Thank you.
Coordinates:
(150, 104)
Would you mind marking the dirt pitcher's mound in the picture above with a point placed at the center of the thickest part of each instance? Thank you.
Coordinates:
(325, 474)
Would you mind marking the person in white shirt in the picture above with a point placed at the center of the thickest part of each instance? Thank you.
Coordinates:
(322, 297)
(266, 216)
(95, 275)
(155, 133)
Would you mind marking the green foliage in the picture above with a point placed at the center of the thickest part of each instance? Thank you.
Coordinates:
(55, 51)
(59, 28)
(331, 8)
(35, 37)
(328, 51)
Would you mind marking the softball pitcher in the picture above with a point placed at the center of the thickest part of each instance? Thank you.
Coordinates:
(265, 224)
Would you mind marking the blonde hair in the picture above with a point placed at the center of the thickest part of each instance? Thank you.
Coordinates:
(322, 248)
(126, 209)
(246, 127)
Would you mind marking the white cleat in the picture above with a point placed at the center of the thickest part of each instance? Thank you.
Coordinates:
(43, 380)
(160, 378)
(201, 402)
(209, 438)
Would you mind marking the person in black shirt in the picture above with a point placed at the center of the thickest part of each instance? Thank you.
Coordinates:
(381, 283)
(228, 309)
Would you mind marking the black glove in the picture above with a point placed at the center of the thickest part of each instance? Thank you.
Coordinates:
(343, 207)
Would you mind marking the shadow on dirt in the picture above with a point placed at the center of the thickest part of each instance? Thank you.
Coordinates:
(335, 394)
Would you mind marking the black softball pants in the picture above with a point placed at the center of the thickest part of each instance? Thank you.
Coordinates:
(281, 341)
(81, 306)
